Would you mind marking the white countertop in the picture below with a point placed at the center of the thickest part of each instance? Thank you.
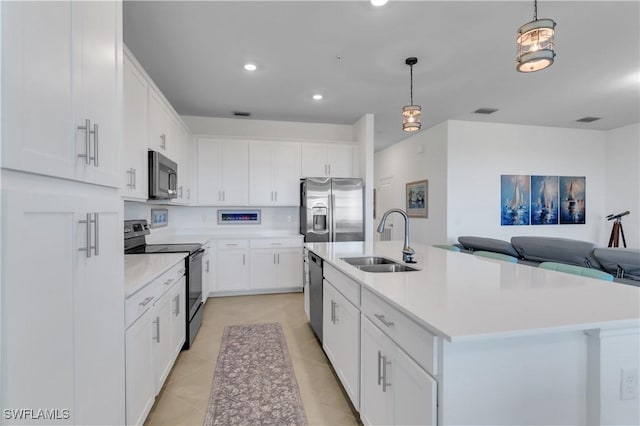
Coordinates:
(462, 297)
(140, 269)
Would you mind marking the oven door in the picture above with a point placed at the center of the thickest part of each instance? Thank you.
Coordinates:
(163, 177)
(194, 283)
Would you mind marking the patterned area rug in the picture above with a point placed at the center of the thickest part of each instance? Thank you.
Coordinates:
(254, 382)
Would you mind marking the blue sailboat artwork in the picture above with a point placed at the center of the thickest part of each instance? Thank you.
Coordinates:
(514, 197)
(544, 200)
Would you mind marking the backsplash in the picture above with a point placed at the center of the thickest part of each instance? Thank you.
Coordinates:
(188, 219)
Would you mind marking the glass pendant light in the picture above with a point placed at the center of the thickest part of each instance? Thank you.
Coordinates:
(535, 43)
(411, 113)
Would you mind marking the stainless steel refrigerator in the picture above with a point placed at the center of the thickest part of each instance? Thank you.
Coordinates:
(332, 209)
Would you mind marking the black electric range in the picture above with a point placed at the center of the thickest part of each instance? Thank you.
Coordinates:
(135, 243)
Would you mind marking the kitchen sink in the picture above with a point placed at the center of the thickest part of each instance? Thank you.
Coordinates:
(377, 264)
(368, 260)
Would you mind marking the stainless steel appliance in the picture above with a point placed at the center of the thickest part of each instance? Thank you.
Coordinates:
(332, 209)
(163, 177)
(315, 294)
(135, 243)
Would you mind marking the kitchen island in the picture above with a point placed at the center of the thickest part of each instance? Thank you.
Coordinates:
(505, 343)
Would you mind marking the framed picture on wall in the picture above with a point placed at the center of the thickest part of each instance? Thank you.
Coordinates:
(417, 198)
(572, 200)
(514, 200)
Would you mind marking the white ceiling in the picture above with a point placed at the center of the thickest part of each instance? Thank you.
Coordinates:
(354, 54)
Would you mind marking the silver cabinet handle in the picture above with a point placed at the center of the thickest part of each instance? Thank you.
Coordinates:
(163, 141)
(146, 301)
(329, 167)
(181, 271)
(272, 196)
(89, 221)
(274, 258)
(276, 193)
(379, 368)
(276, 244)
(188, 193)
(176, 299)
(157, 323)
(384, 320)
(243, 259)
(96, 243)
(169, 281)
(207, 266)
(181, 191)
(385, 384)
(231, 244)
(223, 195)
(130, 179)
(219, 195)
(135, 179)
(87, 142)
(95, 144)
(332, 312)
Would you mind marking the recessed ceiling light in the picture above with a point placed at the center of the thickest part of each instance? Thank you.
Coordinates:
(250, 67)
(588, 119)
(486, 111)
(379, 2)
(317, 97)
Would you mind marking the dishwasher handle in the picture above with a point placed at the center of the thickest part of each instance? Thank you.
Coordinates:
(315, 259)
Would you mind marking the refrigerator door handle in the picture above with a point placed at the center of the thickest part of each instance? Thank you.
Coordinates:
(332, 207)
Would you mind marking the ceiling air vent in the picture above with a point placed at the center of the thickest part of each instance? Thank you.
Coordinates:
(587, 119)
(241, 114)
(485, 111)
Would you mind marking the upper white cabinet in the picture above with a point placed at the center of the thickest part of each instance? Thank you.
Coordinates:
(331, 160)
(162, 126)
(274, 173)
(182, 156)
(61, 89)
(135, 159)
(222, 172)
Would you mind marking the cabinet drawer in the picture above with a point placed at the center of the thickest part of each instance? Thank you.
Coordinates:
(421, 345)
(138, 303)
(232, 244)
(164, 282)
(345, 285)
(276, 243)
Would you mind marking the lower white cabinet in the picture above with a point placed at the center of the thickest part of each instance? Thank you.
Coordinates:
(62, 311)
(233, 259)
(393, 388)
(276, 268)
(209, 271)
(156, 316)
(341, 339)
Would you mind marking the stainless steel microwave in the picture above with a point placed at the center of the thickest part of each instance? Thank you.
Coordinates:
(163, 177)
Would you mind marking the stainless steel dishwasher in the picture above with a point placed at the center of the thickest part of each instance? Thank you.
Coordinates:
(315, 293)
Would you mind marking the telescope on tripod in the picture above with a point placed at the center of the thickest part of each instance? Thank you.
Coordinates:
(617, 230)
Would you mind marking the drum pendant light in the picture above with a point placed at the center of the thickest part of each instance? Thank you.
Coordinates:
(535, 43)
(411, 113)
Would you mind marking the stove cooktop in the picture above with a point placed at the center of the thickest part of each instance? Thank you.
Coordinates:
(164, 248)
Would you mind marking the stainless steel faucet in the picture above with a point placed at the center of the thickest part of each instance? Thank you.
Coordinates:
(407, 251)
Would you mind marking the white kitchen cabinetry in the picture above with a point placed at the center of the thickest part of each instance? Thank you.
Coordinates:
(62, 310)
(233, 256)
(135, 161)
(395, 390)
(222, 172)
(156, 328)
(330, 160)
(274, 173)
(61, 89)
(276, 264)
(162, 126)
(341, 339)
(183, 157)
(209, 274)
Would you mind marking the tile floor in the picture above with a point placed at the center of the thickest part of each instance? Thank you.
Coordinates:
(184, 397)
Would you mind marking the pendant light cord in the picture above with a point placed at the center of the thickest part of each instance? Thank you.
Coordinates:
(411, 72)
(535, 10)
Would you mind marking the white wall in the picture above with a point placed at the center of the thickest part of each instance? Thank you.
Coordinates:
(422, 156)
(478, 153)
(622, 181)
(246, 127)
(363, 133)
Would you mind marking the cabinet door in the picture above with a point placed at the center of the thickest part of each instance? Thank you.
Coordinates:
(37, 104)
(261, 169)
(263, 269)
(135, 159)
(178, 316)
(347, 317)
(209, 159)
(340, 160)
(141, 389)
(234, 173)
(415, 393)
(289, 267)
(158, 124)
(97, 45)
(162, 344)
(376, 402)
(314, 160)
(232, 275)
(286, 173)
(330, 332)
(63, 313)
(206, 274)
